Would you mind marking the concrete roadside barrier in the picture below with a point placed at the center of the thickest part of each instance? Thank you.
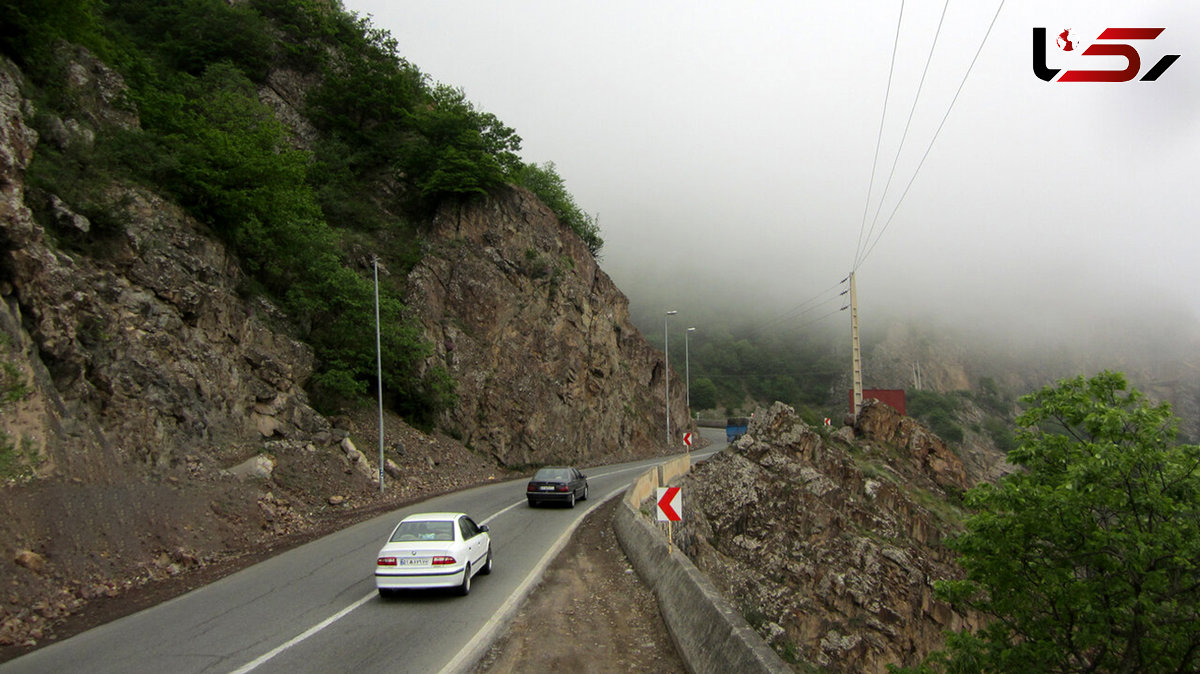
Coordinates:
(708, 631)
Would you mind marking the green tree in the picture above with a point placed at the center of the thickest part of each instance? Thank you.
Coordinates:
(461, 151)
(193, 35)
(704, 394)
(1088, 560)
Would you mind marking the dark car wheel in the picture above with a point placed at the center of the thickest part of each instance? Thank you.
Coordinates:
(584, 497)
(465, 588)
(571, 500)
(487, 566)
(532, 503)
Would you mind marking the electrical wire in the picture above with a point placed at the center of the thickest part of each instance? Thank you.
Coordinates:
(805, 307)
(932, 140)
(887, 93)
(907, 124)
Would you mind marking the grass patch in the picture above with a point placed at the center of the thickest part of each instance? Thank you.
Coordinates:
(17, 460)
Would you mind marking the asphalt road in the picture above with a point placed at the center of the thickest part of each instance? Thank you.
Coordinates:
(315, 608)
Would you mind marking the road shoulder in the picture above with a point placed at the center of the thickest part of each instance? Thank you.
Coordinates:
(591, 612)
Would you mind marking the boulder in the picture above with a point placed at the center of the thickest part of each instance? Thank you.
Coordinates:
(259, 466)
(30, 560)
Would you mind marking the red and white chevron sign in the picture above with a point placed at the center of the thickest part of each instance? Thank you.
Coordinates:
(670, 504)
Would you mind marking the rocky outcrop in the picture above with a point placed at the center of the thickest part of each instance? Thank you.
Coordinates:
(926, 455)
(549, 366)
(829, 548)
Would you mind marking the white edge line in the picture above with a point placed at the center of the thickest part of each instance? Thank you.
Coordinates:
(482, 640)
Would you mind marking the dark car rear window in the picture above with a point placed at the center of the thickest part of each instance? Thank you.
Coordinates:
(553, 475)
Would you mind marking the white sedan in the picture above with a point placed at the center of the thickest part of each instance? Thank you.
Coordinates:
(433, 550)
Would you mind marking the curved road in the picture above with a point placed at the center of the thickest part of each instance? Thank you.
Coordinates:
(314, 608)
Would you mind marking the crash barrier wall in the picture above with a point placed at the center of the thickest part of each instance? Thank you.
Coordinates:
(643, 487)
(710, 634)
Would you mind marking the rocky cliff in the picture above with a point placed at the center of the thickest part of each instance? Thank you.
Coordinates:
(829, 543)
(549, 366)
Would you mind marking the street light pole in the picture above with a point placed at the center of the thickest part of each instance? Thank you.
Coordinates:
(687, 371)
(378, 370)
(667, 369)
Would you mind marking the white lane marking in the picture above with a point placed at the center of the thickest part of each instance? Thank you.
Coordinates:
(486, 634)
(254, 664)
(502, 511)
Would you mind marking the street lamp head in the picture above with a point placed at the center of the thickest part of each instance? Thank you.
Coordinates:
(691, 329)
(672, 313)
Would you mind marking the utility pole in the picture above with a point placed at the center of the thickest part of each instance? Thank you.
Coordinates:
(687, 371)
(854, 347)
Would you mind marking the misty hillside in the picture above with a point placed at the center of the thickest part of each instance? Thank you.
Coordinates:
(747, 354)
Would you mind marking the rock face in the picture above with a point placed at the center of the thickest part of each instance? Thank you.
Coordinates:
(826, 545)
(548, 364)
(142, 353)
(910, 358)
(881, 425)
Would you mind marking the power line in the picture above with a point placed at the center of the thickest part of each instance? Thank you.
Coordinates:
(908, 124)
(879, 137)
(818, 319)
(936, 133)
(764, 375)
(796, 311)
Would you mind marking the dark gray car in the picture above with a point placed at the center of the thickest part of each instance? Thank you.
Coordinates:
(557, 484)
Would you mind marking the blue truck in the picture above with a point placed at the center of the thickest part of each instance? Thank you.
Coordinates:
(735, 427)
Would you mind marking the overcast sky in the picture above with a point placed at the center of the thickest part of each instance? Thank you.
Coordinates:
(727, 147)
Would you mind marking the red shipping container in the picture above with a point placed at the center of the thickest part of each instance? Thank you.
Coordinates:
(893, 398)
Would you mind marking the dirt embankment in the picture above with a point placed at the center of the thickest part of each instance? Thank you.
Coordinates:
(119, 547)
(591, 613)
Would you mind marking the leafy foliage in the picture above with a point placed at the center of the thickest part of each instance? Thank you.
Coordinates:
(191, 35)
(704, 394)
(1089, 559)
(30, 28)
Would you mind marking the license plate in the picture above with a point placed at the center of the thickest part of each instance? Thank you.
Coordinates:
(413, 561)
(546, 487)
